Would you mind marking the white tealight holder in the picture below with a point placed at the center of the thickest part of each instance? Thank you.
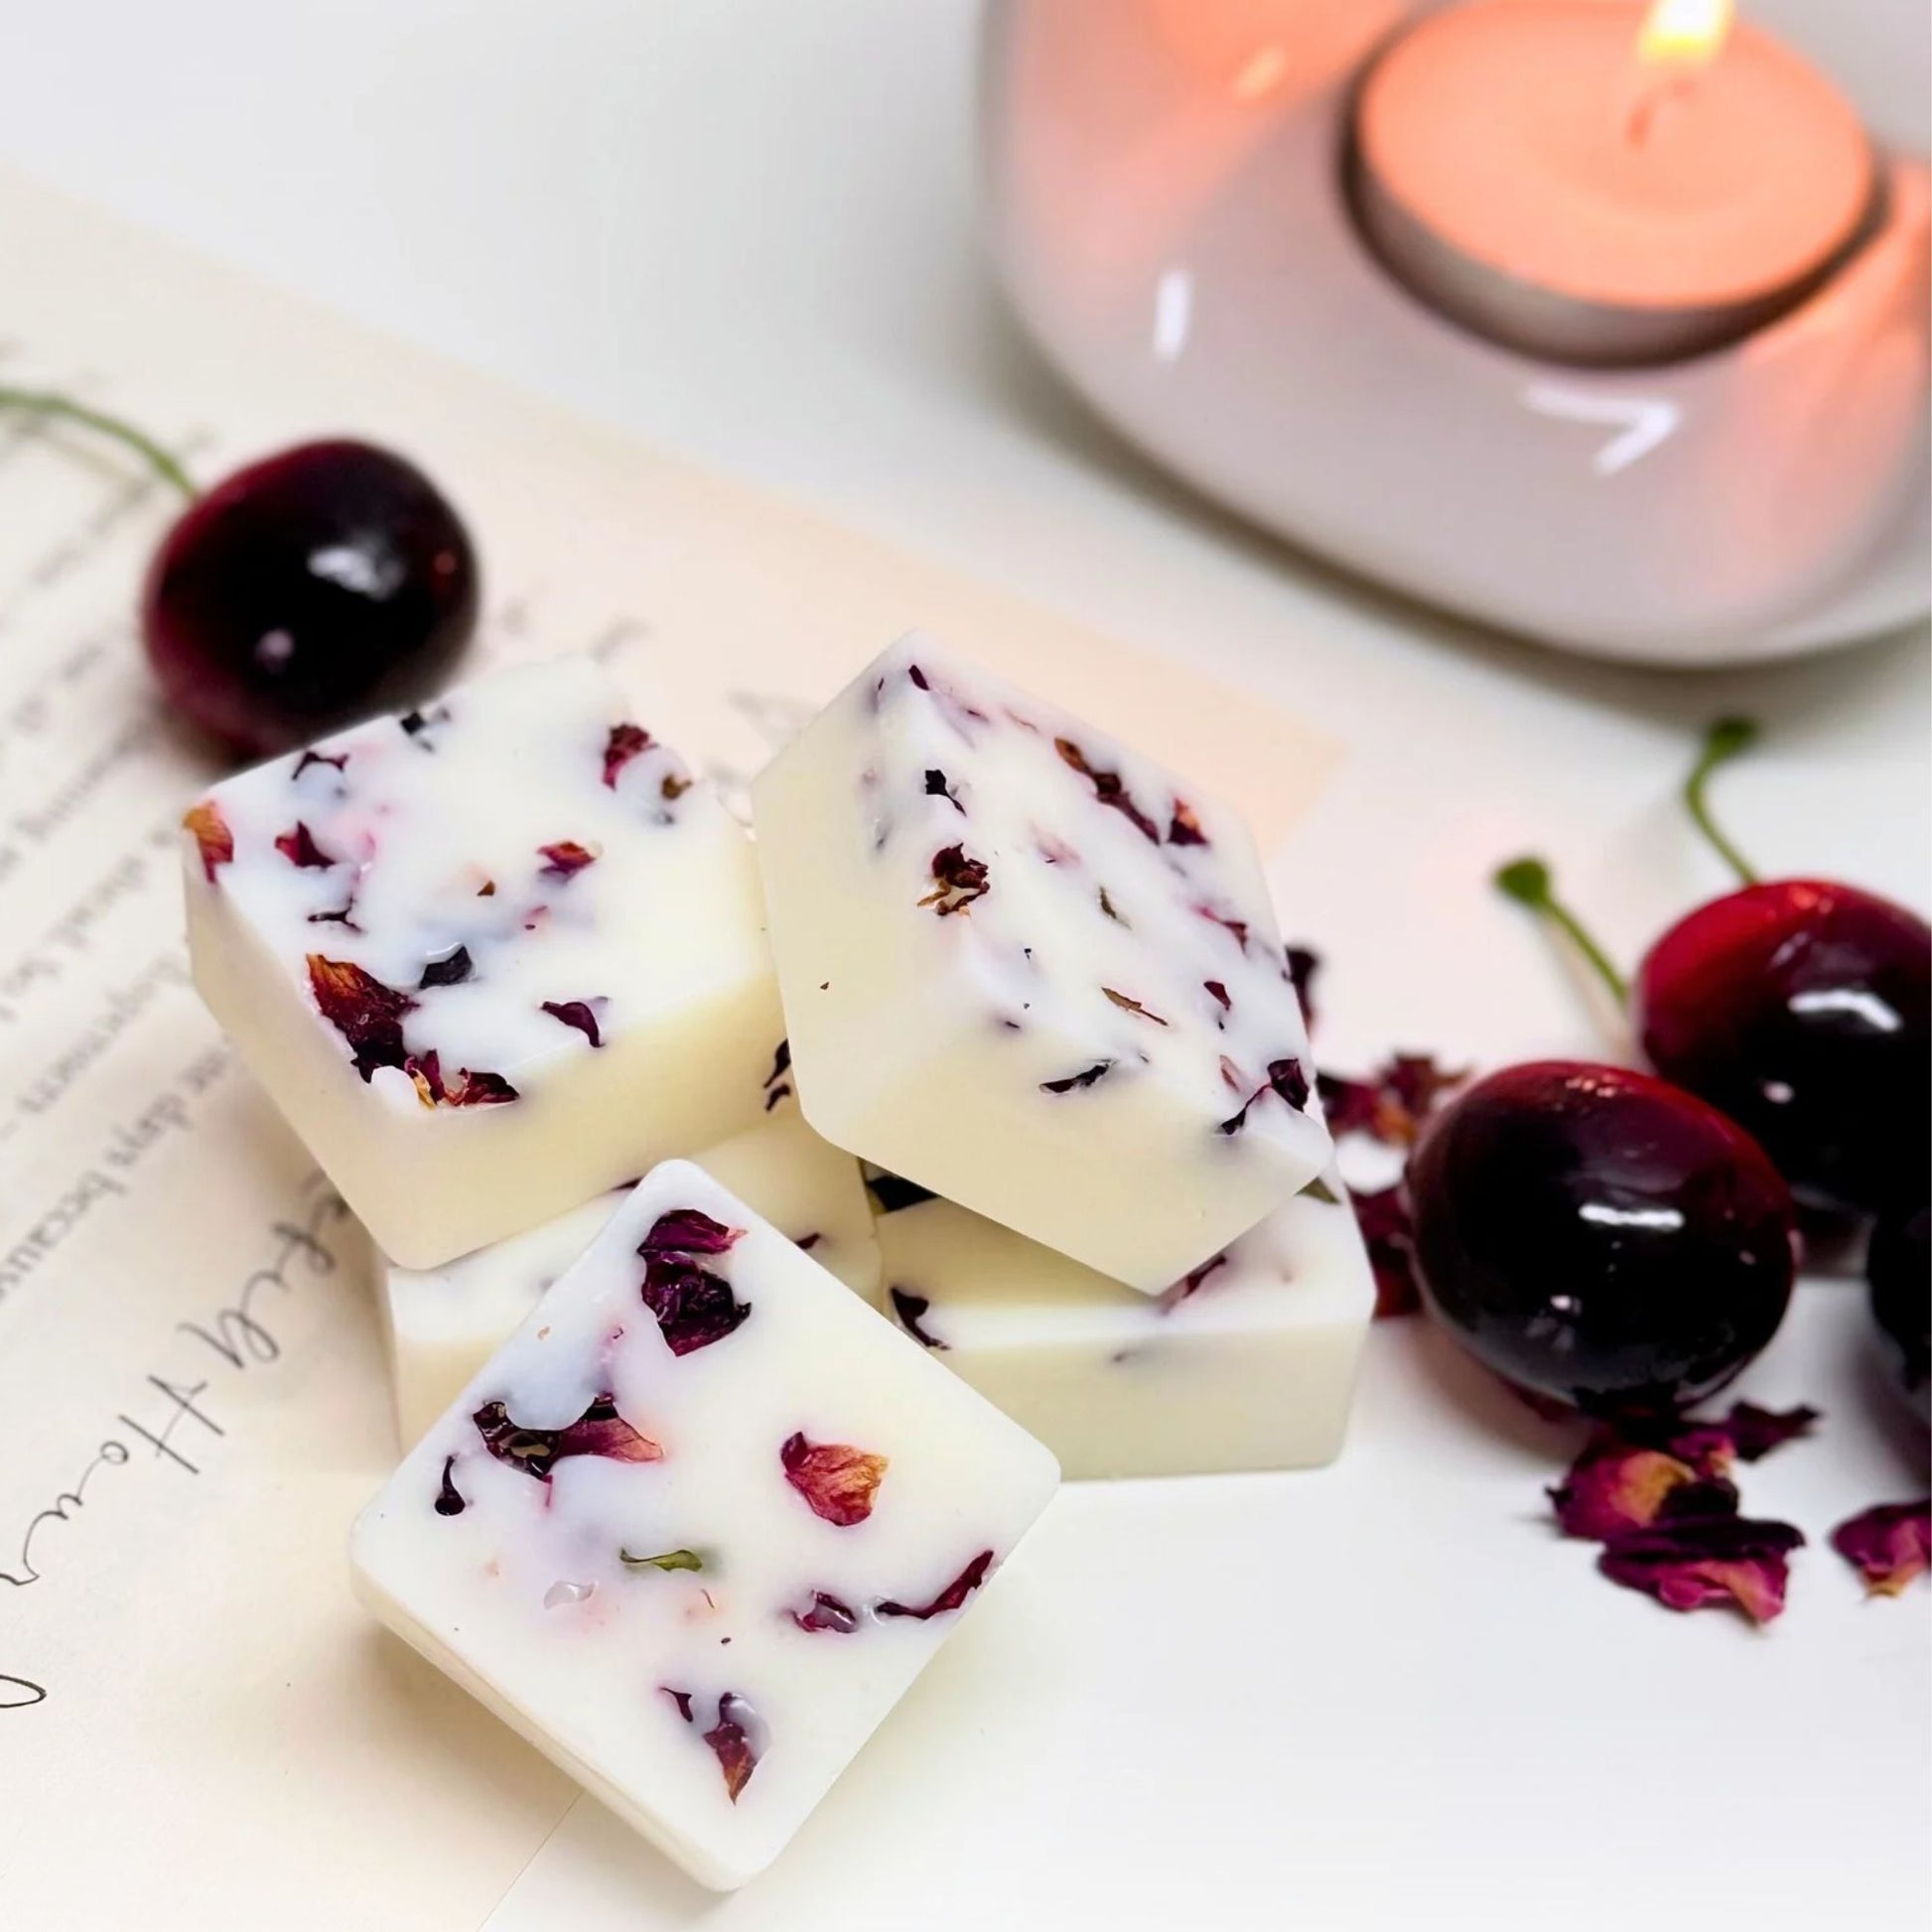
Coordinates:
(1171, 210)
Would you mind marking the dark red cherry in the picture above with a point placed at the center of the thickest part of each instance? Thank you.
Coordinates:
(1898, 1267)
(308, 591)
(1598, 1236)
(1803, 1008)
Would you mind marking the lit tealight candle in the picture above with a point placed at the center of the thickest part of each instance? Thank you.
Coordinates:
(1606, 183)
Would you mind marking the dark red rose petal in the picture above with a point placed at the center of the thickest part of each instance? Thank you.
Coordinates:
(1617, 1486)
(450, 1501)
(1887, 1545)
(626, 743)
(1286, 1078)
(565, 859)
(343, 916)
(1084, 1078)
(1128, 1004)
(1108, 788)
(826, 1613)
(212, 836)
(937, 786)
(473, 1088)
(1708, 1562)
(949, 1599)
(298, 846)
(451, 970)
(1386, 1232)
(917, 676)
(1755, 1433)
(1189, 1284)
(578, 1013)
(367, 1014)
(307, 758)
(731, 1742)
(693, 1306)
(958, 881)
(1183, 828)
(688, 1231)
(911, 1310)
(598, 1430)
(1392, 1104)
(1220, 994)
(682, 1698)
(1238, 927)
(838, 1482)
(1303, 963)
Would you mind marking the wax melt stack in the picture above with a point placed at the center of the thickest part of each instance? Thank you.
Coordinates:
(770, 1220)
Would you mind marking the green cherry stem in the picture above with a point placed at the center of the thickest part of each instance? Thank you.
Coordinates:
(1721, 742)
(1527, 880)
(49, 402)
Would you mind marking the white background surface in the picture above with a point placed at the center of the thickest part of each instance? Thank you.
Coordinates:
(1380, 1697)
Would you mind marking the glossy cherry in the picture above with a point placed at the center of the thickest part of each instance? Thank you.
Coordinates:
(1899, 1268)
(1802, 1008)
(1601, 1237)
(299, 594)
(307, 590)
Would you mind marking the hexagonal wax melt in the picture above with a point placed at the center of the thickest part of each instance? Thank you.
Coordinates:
(442, 1323)
(1031, 971)
(490, 958)
(698, 1524)
(1248, 1362)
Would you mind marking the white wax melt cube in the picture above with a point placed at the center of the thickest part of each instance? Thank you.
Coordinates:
(490, 958)
(1031, 971)
(698, 1524)
(1248, 1362)
(442, 1323)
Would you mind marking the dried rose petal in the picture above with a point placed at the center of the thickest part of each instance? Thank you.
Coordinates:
(1107, 787)
(1386, 1232)
(682, 1698)
(776, 1087)
(1127, 1004)
(1108, 907)
(626, 743)
(958, 880)
(949, 1599)
(1755, 1433)
(367, 1014)
(565, 859)
(693, 1306)
(1238, 927)
(451, 970)
(911, 1310)
(937, 786)
(1617, 1486)
(826, 1613)
(450, 1501)
(688, 1231)
(474, 1088)
(1189, 1282)
(1710, 1561)
(1303, 963)
(1183, 828)
(339, 761)
(211, 835)
(664, 1560)
(343, 916)
(838, 1481)
(1220, 995)
(1393, 1102)
(1887, 1545)
(1286, 1078)
(731, 1742)
(298, 846)
(1084, 1078)
(598, 1430)
(575, 1012)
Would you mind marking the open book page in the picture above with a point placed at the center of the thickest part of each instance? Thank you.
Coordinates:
(197, 1724)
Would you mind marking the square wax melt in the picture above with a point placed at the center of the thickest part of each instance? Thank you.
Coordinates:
(442, 1323)
(1031, 971)
(698, 1524)
(490, 958)
(1248, 1362)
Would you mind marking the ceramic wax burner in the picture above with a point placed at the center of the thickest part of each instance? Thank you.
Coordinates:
(1600, 321)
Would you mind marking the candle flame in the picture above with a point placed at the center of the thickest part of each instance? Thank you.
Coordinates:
(1683, 32)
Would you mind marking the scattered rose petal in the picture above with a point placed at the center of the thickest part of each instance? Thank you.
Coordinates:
(1887, 1545)
(1189, 1282)
(1708, 1561)
(949, 1599)
(1183, 828)
(693, 1306)
(688, 1231)
(212, 836)
(893, 1191)
(367, 1014)
(1755, 1433)
(1392, 1103)
(1107, 787)
(673, 785)
(626, 743)
(577, 1013)
(826, 1613)
(731, 1742)
(1617, 1486)
(664, 1560)
(838, 1481)
(307, 758)
(682, 1698)
(1286, 1078)
(469, 1088)
(598, 1430)
(776, 1087)
(298, 846)
(1386, 1232)
(416, 722)
(1112, 912)
(1303, 963)
(451, 970)
(936, 786)
(565, 859)
(911, 1310)
(1084, 1078)
(1220, 995)
(343, 916)
(1238, 927)
(1127, 1004)
(450, 1501)
(917, 676)
(958, 880)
